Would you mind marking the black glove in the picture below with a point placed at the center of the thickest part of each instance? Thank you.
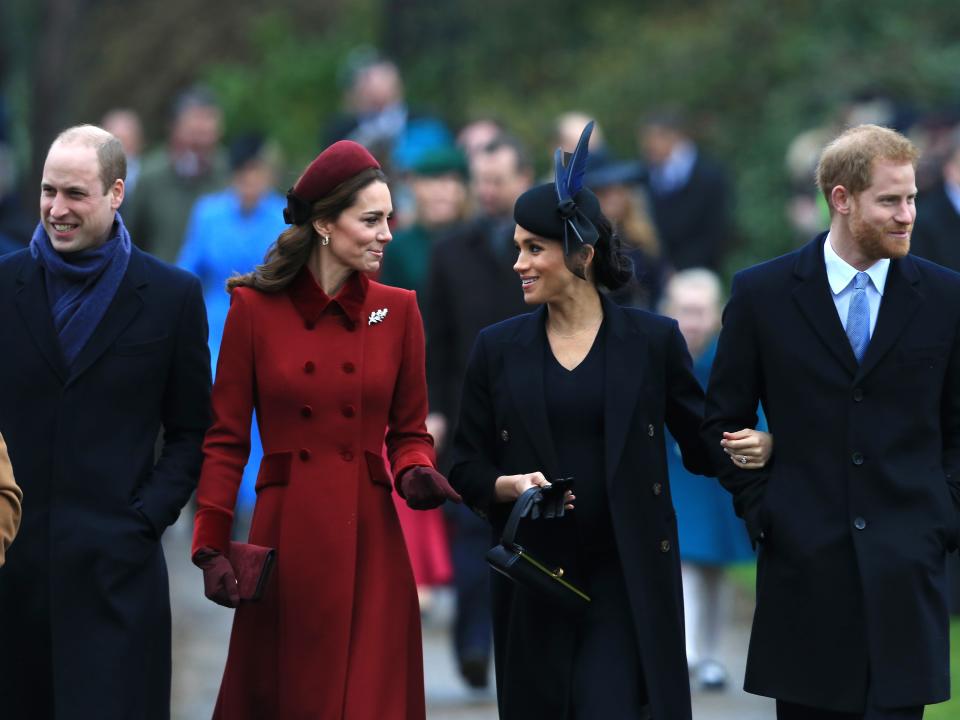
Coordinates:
(550, 501)
(424, 488)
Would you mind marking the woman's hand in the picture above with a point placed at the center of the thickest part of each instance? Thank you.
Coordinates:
(509, 487)
(748, 449)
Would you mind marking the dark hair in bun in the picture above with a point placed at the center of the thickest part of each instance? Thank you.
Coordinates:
(611, 268)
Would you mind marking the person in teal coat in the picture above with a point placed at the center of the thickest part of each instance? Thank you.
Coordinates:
(712, 537)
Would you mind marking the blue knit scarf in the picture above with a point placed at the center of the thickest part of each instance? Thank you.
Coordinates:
(81, 285)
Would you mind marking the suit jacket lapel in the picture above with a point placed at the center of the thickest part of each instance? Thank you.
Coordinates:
(901, 300)
(34, 308)
(625, 354)
(815, 299)
(123, 309)
(524, 371)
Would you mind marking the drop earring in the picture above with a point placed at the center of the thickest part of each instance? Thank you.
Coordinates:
(324, 239)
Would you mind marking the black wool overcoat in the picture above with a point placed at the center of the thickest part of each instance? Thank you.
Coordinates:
(84, 599)
(504, 430)
(859, 506)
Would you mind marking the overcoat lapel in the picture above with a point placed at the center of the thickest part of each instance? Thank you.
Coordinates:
(901, 300)
(34, 308)
(124, 307)
(524, 372)
(625, 370)
(815, 299)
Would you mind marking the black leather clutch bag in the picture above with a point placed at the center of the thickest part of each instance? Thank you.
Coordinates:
(510, 559)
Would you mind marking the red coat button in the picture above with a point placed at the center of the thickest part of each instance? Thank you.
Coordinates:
(304, 454)
(309, 324)
(309, 367)
(348, 367)
(348, 411)
(306, 411)
(347, 455)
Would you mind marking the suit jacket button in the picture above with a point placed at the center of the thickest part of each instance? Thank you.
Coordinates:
(650, 430)
(664, 546)
(309, 324)
(348, 367)
(309, 367)
(857, 394)
(348, 411)
(505, 436)
(859, 523)
(657, 488)
(346, 455)
(306, 411)
(857, 458)
(304, 454)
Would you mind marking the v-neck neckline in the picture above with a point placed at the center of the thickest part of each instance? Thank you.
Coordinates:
(583, 360)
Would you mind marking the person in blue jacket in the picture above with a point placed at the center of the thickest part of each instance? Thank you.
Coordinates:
(229, 233)
(711, 536)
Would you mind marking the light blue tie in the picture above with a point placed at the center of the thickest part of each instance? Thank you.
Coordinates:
(858, 316)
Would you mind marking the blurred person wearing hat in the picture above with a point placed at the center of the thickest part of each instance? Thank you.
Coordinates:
(582, 388)
(192, 164)
(617, 186)
(108, 351)
(471, 285)
(439, 185)
(331, 362)
(229, 232)
(10, 497)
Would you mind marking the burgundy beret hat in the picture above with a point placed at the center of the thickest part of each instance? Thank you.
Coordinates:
(339, 162)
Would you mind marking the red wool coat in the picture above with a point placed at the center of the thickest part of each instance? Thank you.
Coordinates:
(337, 632)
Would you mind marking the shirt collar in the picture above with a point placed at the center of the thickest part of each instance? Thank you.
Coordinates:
(310, 300)
(840, 273)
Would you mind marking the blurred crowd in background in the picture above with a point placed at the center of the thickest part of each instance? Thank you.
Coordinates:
(213, 204)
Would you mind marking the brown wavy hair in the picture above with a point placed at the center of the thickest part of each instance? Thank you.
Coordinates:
(291, 250)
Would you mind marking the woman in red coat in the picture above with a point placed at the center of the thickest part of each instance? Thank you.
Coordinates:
(330, 361)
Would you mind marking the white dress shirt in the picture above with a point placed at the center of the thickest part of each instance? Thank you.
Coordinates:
(840, 275)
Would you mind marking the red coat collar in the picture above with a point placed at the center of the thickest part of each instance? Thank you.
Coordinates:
(310, 300)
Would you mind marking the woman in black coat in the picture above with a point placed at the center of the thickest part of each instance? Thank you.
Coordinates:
(583, 388)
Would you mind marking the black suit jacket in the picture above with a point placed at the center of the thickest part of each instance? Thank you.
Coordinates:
(695, 220)
(84, 596)
(471, 285)
(936, 235)
(504, 430)
(859, 506)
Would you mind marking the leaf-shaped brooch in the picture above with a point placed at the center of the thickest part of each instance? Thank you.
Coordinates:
(377, 316)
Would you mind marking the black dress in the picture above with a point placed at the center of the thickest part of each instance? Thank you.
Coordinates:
(607, 675)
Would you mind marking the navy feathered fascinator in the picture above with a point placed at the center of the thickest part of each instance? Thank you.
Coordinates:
(568, 181)
(564, 209)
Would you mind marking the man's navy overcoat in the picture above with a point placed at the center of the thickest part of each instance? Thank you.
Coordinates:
(84, 600)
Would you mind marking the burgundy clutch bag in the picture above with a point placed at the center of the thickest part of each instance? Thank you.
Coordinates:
(252, 565)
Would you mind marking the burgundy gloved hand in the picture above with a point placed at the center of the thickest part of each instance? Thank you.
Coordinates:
(219, 580)
(424, 488)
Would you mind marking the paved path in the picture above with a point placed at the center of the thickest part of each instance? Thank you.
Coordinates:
(201, 631)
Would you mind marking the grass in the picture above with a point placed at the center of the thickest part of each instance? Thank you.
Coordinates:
(744, 577)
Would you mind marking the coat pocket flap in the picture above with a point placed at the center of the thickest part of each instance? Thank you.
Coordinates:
(378, 470)
(274, 470)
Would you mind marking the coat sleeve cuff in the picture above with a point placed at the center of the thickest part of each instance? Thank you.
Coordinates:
(211, 530)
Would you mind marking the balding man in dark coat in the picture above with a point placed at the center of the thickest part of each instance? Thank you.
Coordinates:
(104, 345)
